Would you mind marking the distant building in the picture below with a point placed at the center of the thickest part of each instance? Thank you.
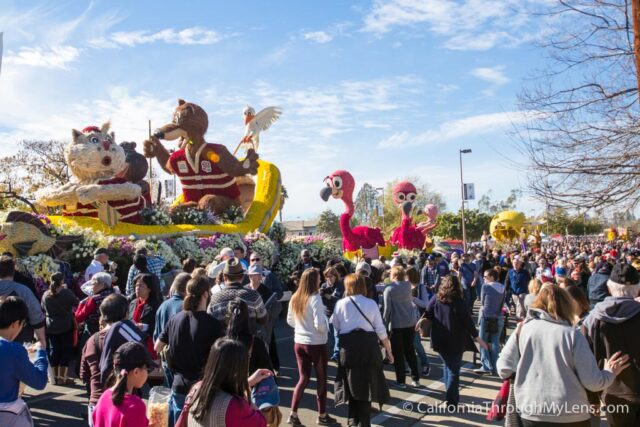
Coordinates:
(301, 228)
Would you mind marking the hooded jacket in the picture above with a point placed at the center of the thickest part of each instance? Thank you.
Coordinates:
(610, 327)
(597, 284)
(553, 366)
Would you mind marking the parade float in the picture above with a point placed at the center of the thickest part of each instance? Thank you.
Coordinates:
(509, 227)
(409, 235)
(225, 202)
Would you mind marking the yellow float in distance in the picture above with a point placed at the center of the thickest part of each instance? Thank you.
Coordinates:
(260, 216)
(505, 226)
(386, 251)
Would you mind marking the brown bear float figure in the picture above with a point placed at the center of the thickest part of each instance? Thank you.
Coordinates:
(207, 171)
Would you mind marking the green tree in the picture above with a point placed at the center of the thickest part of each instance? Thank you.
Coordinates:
(487, 205)
(366, 203)
(36, 165)
(450, 224)
(560, 222)
(392, 213)
(329, 224)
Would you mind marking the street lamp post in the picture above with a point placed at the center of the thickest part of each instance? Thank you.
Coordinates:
(464, 228)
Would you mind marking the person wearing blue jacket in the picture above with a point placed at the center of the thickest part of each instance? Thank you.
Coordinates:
(16, 366)
(518, 281)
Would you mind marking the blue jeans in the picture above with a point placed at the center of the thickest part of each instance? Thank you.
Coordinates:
(489, 357)
(466, 295)
(333, 338)
(451, 378)
(176, 403)
(168, 376)
(422, 355)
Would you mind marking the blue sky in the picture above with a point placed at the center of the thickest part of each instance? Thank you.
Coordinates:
(382, 88)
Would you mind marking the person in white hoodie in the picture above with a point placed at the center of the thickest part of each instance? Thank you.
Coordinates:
(553, 364)
(307, 316)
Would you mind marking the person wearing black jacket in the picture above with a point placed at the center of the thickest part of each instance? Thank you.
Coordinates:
(610, 328)
(452, 333)
(307, 262)
(189, 335)
(597, 283)
(58, 304)
(144, 305)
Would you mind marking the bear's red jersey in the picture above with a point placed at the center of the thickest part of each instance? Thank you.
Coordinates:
(129, 210)
(200, 177)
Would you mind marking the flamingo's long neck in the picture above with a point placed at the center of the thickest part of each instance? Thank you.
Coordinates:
(345, 225)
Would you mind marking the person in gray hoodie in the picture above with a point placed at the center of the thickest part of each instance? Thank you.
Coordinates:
(611, 327)
(491, 321)
(553, 364)
(400, 317)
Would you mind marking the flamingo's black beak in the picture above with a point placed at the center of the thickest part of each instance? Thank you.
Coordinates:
(325, 193)
(407, 207)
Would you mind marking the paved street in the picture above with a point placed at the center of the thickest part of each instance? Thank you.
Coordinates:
(57, 406)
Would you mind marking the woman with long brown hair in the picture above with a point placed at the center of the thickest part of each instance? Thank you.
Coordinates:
(553, 364)
(58, 303)
(452, 332)
(307, 316)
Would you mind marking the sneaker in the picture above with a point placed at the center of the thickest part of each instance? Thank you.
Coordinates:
(481, 372)
(416, 384)
(294, 421)
(426, 370)
(400, 385)
(327, 420)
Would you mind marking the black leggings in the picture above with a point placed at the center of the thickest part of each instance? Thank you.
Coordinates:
(60, 348)
(359, 412)
(402, 348)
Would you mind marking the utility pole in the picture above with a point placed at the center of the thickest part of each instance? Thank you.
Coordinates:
(464, 227)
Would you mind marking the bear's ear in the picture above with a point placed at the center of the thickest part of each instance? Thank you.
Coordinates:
(105, 127)
(75, 134)
(181, 102)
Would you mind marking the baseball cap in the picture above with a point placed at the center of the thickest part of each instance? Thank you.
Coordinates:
(255, 269)
(364, 268)
(227, 252)
(624, 274)
(266, 393)
(131, 355)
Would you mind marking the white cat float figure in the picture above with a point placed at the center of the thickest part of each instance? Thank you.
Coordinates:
(97, 188)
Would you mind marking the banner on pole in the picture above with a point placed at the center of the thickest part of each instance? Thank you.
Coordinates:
(469, 192)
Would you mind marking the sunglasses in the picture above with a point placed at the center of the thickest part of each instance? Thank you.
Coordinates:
(255, 259)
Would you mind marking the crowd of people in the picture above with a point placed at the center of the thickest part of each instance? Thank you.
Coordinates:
(209, 334)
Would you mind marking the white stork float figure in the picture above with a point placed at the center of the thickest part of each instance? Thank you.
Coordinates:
(256, 123)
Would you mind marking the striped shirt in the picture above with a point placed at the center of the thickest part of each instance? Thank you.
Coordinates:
(201, 176)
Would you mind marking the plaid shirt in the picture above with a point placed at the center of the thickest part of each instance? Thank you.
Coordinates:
(430, 277)
(220, 302)
(155, 264)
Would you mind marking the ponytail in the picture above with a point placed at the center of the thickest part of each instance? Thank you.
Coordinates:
(238, 323)
(196, 287)
(120, 387)
(56, 283)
